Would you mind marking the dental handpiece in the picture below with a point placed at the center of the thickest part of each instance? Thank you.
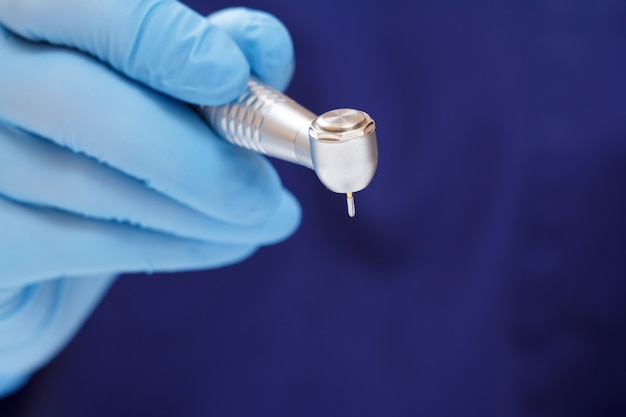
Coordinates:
(339, 145)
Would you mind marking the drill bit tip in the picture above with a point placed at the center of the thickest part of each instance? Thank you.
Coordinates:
(350, 200)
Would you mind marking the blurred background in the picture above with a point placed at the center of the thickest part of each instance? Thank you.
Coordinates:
(484, 273)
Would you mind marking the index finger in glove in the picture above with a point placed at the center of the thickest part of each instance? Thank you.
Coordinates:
(75, 101)
(263, 39)
(161, 43)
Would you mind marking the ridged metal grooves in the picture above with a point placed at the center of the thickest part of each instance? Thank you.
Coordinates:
(240, 121)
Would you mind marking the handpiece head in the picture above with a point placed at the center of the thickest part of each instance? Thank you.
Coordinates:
(344, 151)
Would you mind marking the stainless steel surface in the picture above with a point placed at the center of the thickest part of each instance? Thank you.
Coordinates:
(340, 145)
(264, 120)
(344, 149)
(340, 120)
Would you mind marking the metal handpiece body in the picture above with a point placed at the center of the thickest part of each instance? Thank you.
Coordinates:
(339, 145)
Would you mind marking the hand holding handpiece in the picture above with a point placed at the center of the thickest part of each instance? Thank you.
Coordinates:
(105, 169)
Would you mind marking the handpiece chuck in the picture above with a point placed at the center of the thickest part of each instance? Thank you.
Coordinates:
(339, 145)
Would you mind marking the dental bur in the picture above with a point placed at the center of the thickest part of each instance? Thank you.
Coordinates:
(339, 145)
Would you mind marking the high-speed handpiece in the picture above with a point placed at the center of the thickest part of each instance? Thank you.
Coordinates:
(340, 145)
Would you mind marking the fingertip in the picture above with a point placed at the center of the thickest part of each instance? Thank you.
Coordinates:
(9, 384)
(213, 70)
(264, 40)
(254, 193)
(289, 216)
(277, 62)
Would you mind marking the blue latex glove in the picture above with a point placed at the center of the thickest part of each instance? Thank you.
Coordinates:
(103, 168)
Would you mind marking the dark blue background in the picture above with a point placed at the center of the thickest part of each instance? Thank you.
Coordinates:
(484, 274)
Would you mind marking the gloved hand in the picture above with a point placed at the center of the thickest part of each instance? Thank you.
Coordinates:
(104, 169)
